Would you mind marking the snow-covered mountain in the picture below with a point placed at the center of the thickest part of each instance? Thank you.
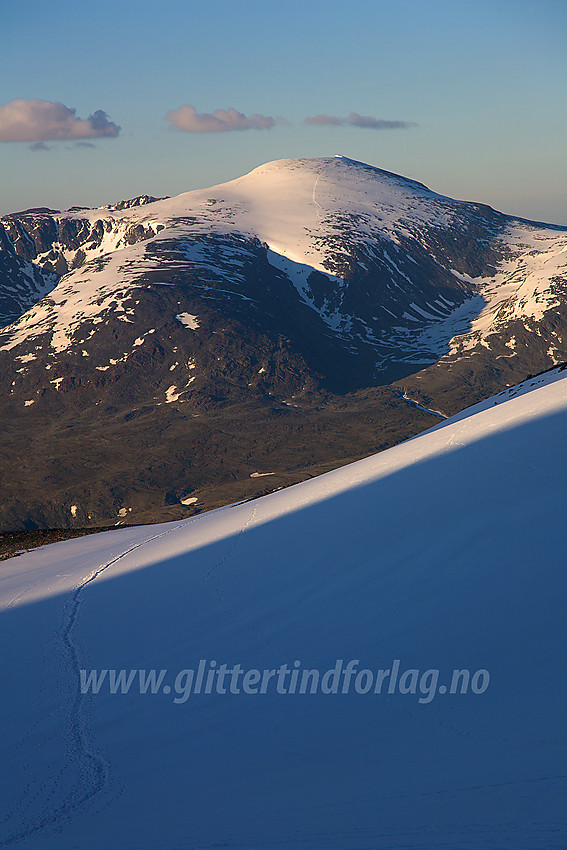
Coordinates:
(303, 278)
(443, 553)
(389, 269)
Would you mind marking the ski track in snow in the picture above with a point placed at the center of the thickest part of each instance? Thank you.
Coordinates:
(415, 403)
(320, 211)
(94, 769)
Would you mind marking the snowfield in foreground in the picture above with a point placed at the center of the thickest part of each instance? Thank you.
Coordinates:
(444, 553)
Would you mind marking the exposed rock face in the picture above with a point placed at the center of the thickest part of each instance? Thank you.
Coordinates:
(38, 246)
(158, 351)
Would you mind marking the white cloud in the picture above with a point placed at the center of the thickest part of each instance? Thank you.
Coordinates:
(40, 120)
(186, 118)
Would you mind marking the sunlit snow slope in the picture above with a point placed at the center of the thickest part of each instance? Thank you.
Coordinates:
(445, 552)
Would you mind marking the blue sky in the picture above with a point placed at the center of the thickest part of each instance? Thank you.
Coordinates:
(480, 84)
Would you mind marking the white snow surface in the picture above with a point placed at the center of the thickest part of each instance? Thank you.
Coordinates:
(446, 552)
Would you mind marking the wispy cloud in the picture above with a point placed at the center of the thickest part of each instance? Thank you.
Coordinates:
(186, 118)
(39, 146)
(40, 120)
(356, 120)
(324, 119)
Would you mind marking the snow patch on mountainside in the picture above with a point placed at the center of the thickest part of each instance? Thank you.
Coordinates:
(528, 285)
(94, 293)
(298, 274)
(187, 319)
